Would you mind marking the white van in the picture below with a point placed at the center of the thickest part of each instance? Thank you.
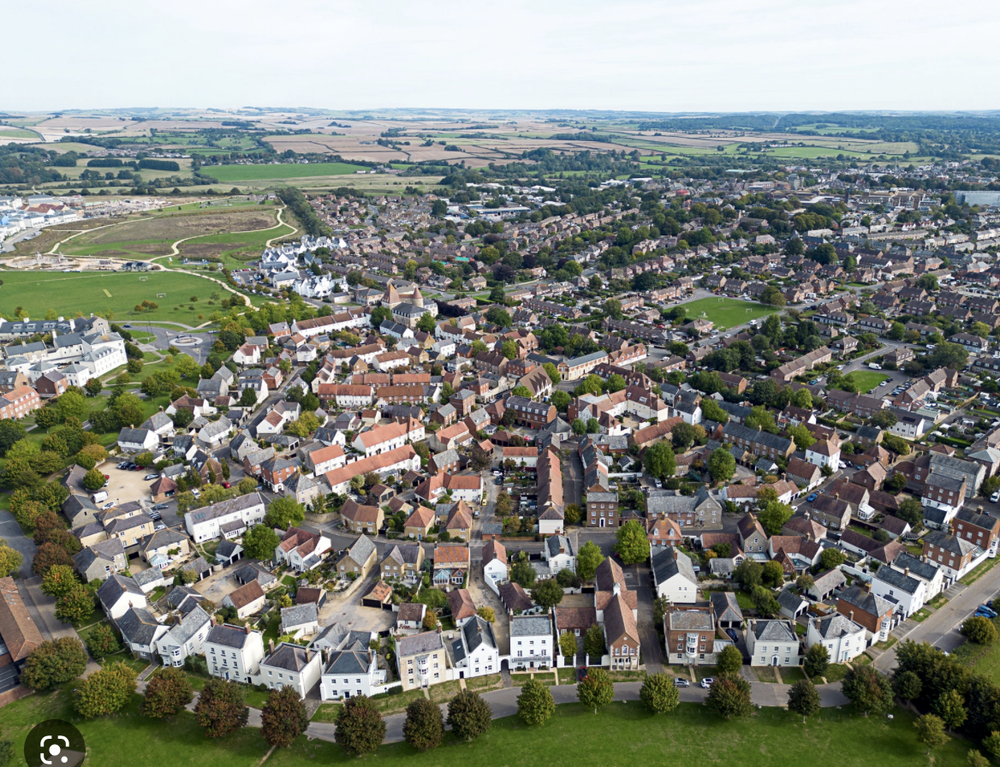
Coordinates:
(874, 366)
(100, 495)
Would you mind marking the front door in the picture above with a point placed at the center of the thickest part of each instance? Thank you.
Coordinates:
(774, 661)
(602, 522)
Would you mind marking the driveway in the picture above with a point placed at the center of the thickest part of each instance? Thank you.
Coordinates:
(346, 610)
(652, 652)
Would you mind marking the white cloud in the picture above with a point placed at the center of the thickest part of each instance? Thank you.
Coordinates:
(636, 54)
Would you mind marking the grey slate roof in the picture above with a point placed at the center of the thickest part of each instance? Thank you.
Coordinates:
(530, 625)
(774, 631)
(834, 626)
(227, 636)
(138, 626)
(418, 644)
(114, 587)
(726, 607)
(299, 615)
(670, 562)
(290, 657)
(348, 662)
(898, 579)
(361, 550)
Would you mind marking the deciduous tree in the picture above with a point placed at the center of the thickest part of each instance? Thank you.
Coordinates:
(631, 543)
(283, 717)
(596, 690)
(729, 696)
(803, 698)
(54, 663)
(469, 716)
(105, 692)
(168, 691)
(659, 693)
(588, 559)
(535, 703)
(424, 726)
(220, 709)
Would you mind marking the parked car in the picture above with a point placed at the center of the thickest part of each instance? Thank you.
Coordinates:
(731, 633)
(151, 476)
(581, 673)
(986, 610)
(160, 506)
(678, 682)
(160, 526)
(812, 497)
(108, 505)
(707, 682)
(995, 497)
(226, 485)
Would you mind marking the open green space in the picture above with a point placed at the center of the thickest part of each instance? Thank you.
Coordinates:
(87, 293)
(574, 736)
(727, 312)
(8, 133)
(866, 380)
(229, 173)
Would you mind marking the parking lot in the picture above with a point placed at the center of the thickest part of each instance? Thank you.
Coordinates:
(345, 609)
(124, 486)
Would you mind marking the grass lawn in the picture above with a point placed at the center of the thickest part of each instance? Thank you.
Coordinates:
(835, 672)
(442, 693)
(88, 292)
(765, 674)
(567, 675)
(575, 736)
(129, 739)
(227, 173)
(791, 674)
(939, 601)
(979, 572)
(727, 312)
(921, 615)
(388, 704)
(492, 681)
(866, 379)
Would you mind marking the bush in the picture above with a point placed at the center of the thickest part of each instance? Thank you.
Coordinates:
(54, 663)
(979, 630)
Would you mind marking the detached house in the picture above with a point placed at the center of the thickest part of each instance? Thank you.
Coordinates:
(773, 643)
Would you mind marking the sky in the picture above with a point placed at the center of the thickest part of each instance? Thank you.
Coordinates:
(636, 55)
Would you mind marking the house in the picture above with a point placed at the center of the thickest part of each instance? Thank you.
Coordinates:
(410, 617)
(981, 530)
(421, 660)
(559, 553)
(475, 651)
(300, 620)
(351, 672)
(451, 566)
(246, 600)
(418, 525)
(494, 564)
(824, 453)
(118, 594)
(792, 605)
(134, 441)
(843, 639)
(358, 560)
(290, 665)
(955, 556)
(230, 518)
(462, 607)
(753, 539)
(18, 633)
(403, 563)
(301, 549)
(621, 635)
(140, 631)
(773, 643)
(869, 610)
(689, 635)
(101, 560)
(899, 588)
(362, 519)
(233, 652)
(531, 642)
(674, 577)
(515, 599)
(185, 638)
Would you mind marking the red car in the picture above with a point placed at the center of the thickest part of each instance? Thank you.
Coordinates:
(226, 485)
(107, 476)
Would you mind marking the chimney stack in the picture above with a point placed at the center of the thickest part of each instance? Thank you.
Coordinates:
(270, 644)
(906, 572)
(850, 615)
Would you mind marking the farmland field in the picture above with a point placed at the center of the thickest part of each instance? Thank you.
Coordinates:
(229, 173)
(37, 292)
(152, 236)
(727, 312)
